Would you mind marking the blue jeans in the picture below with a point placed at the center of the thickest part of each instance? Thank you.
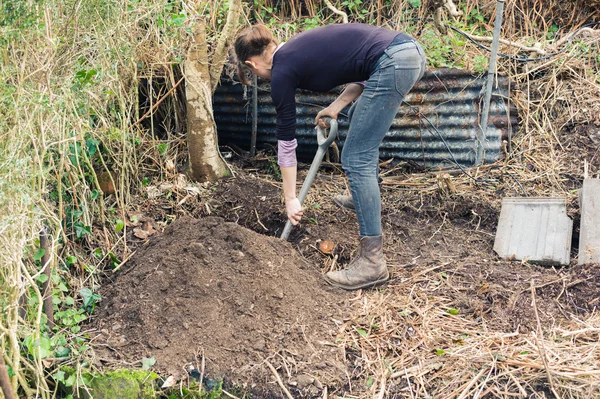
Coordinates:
(396, 72)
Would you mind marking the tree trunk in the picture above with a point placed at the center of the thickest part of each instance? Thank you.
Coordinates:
(206, 163)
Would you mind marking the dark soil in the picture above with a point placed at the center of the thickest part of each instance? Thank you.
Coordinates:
(213, 289)
(210, 288)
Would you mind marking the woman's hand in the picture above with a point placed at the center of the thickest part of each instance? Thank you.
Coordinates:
(294, 210)
(324, 113)
(350, 93)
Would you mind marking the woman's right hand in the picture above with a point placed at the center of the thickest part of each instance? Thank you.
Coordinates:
(325, 113)
(294, 210)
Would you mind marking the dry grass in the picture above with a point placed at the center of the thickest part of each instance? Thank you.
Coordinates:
(406, 342)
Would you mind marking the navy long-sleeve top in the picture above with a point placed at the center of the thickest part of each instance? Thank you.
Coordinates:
(321, 59)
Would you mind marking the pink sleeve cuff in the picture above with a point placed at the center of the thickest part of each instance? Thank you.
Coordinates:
(286, 153)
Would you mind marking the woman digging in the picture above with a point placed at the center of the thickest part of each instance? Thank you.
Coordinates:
(388, 64)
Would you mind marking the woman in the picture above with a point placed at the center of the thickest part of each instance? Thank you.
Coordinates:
(387, 64)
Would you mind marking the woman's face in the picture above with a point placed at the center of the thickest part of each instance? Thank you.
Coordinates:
(260, 65)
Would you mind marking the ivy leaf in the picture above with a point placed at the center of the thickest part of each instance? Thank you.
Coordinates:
(62, 351)
(71, 260)
(89, 297)
(39, 254)
(70, 381)
(81, 230)
(59, 376)
(148, 362)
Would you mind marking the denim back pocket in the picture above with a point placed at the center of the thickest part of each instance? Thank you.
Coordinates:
(408, 66)
(406, 79)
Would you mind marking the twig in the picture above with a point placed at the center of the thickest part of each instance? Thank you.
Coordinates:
(539, 341)
(259, 222)
(382, 389)
(508, 43)
(336, 11)
(278, 378)
(163, 98)
(228, 394)
(470, 384)
(124, 261)
(335, 257)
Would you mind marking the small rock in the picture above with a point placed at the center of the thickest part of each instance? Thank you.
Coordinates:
(278, 295)
(198, 249)
(237, 256)
(169, 382)
(311, 391)
(304, 380)
(259, 344)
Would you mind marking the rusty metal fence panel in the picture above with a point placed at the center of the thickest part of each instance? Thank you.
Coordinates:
(450, 99)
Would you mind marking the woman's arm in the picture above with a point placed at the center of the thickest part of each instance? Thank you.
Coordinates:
(350, 93)
(292, 204)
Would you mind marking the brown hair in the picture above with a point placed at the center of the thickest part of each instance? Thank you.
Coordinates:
(251, 42)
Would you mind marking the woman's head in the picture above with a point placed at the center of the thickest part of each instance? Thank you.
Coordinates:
(254, 47)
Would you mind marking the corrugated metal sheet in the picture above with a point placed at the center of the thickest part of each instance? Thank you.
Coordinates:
(589, 232)
(534, 229)
(450, 99)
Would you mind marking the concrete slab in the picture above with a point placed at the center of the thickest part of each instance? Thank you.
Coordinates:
(534, 229)
(589, 234)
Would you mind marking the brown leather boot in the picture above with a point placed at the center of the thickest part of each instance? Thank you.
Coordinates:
(345, 202)
(366, 270)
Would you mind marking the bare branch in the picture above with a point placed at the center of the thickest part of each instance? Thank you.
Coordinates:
(227, 34)
(336, 11)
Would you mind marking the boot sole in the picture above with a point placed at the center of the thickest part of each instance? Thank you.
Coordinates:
(359, 286)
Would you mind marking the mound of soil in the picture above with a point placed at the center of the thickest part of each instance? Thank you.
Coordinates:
(213, 289)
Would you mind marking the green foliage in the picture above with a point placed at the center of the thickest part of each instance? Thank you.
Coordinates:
(552, 31)
(148, 362)
(90, 298)
(116, 384)
(446, 51)
(213, 389)
(352, 4)
(361, 332)
(17, 16)
(480, 64)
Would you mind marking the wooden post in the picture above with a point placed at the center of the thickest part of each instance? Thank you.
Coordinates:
(47, 288)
